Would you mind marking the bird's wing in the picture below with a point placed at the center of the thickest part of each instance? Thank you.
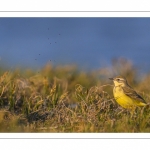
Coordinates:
(131, 93)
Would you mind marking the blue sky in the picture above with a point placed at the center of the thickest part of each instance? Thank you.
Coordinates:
(88, 42)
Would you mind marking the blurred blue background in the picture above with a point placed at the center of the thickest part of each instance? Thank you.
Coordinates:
(90, 43)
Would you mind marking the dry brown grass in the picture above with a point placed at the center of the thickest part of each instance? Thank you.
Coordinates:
(64, 99)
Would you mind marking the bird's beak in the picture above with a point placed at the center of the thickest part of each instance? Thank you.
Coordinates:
(111, 78)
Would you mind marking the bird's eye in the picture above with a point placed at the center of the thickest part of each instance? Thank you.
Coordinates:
(118, 79)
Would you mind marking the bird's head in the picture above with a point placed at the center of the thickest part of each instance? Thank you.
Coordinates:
(119, 81)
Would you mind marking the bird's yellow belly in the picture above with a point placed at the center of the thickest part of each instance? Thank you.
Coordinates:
(124, 100)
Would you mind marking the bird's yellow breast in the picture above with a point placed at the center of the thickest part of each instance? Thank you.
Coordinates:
(124, 100)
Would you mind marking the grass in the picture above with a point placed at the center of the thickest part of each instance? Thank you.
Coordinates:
(65, 99)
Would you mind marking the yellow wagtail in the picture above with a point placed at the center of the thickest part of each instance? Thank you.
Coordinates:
(125, 95)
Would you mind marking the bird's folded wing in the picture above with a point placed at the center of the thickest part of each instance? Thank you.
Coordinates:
(131, 93)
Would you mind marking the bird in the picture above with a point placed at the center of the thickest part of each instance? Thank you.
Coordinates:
(125, 95)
